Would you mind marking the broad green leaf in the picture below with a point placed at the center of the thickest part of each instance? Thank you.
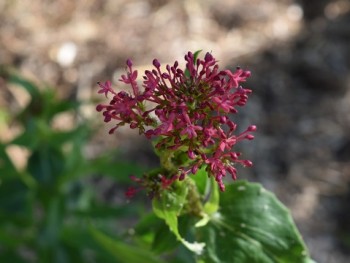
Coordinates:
(154, 230)
(168, 207)
(146, 228)
(252, 226)
(121, 251)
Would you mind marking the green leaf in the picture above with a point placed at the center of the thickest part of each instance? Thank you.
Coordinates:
(28, 139)
(59, 106)
(29, 86)
(164, 240)
(168, 207)
(252, 226)
(210, 196)
(201, 180)
(121, 251)
(212, 204)
(195, 55)
(7, 167)
(11, 256)
(78, 239)
(13, 196)
(45, 165)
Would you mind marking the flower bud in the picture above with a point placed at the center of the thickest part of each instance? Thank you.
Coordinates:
(194, 169)
(111, 131)
(223, 119)
(233, 156)
(247, 163)
(191, 155)
(249, 137)
(208, 57)
(246, 74)
(99, 107)
(133, 125)
(156, 63)
(251, 128)
(129, 62)
(130, 192)
(232, 125)
(149, 134)
(182, 176)
(165, 76)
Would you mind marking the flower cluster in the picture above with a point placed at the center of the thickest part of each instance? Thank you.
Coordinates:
(187, 111)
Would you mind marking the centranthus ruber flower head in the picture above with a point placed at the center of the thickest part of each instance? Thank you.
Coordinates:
(189, 114)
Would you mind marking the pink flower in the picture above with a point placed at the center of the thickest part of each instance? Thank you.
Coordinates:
(105, 88)
(190, 130)
(188, 110)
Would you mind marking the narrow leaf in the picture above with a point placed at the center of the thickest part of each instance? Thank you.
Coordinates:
(123, 252)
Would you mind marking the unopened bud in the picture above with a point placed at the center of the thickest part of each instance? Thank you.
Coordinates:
(129, 62)
(194, 169)
(247, 163)
(249, 137)
(156, 63)
(182, 176)
(251, 128)
(133, 125)
(234, 155)
(99, 107)
(223, 119)
(191, 155)
(208, 57)
(165, 76)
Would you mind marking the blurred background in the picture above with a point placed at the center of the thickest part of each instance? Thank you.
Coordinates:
(299, 55)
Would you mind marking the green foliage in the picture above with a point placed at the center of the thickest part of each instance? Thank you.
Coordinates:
(47, 208)
(122, 252)
(169, 206)
(49, 212)
(248, 224)
(251, 226)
